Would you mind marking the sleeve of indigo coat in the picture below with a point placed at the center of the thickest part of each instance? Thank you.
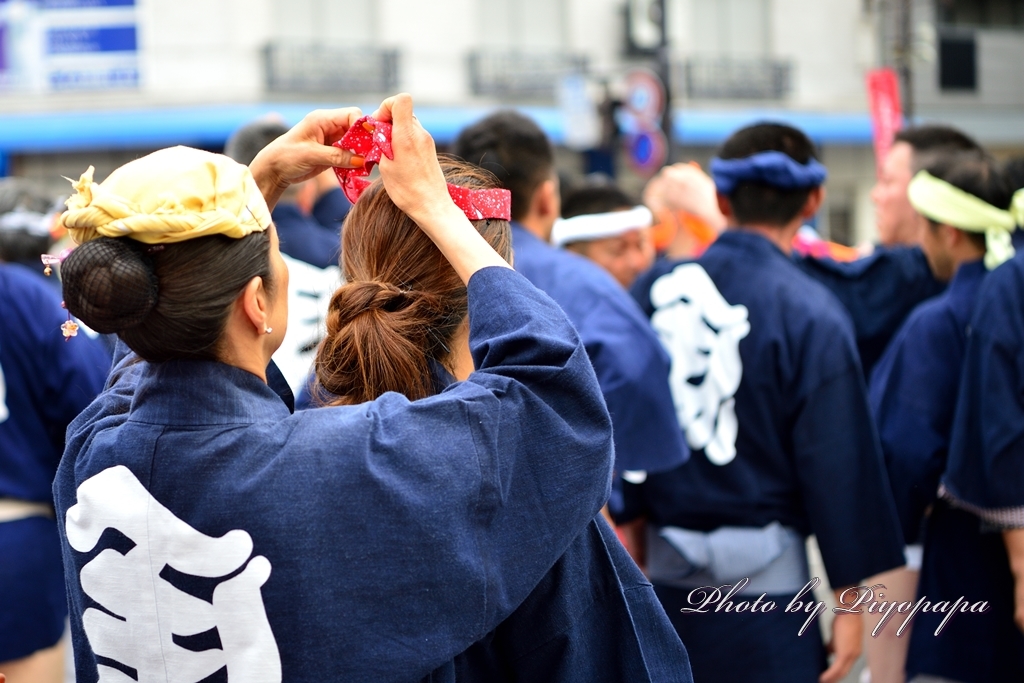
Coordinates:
(913, 396)
(548, 453)
(593, 619)
(632, 368)
(986, 452)
(840, 467)
(453, 508)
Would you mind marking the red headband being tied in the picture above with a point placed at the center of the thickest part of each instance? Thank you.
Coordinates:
(370, 139)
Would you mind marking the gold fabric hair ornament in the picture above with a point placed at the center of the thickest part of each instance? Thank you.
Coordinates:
(171, 195)
(947, 204)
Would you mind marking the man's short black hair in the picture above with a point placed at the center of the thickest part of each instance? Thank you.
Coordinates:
(975, 173)
(26, 194)
(512, 147)
(22, 245)
(937, 138)
(756, 203)
(246, 142)
(978, 174)
(593, 199)
(1013, 170)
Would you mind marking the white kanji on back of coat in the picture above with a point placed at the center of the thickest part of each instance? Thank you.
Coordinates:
(150, 613)
(702, 333)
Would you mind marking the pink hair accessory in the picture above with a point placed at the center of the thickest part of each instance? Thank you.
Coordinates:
(370, 139)
(49, 260)
(69, 328)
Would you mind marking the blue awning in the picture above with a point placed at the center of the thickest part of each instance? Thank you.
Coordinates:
(711, 128)
(210, 126)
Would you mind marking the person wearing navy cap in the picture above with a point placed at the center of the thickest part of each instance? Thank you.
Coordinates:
(770, 394)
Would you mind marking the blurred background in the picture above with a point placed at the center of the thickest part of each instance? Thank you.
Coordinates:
(103, 81)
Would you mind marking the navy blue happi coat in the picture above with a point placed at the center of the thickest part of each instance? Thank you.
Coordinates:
(913, 394)
(788, 436)
(210, 533)
(878, 291)
(631, 366)
(770, 394)
(981, 494)
(44, 384)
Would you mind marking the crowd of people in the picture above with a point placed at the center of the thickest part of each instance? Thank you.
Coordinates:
(524, 432)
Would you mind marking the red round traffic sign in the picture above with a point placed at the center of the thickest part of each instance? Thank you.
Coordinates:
(645, 95)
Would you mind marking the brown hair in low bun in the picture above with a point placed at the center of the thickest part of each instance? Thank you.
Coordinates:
(402, 302)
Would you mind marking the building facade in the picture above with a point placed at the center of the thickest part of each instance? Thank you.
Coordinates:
(100, 81)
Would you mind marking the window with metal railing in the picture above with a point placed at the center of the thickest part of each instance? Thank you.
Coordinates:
(327, 46)
(724, 78)
(731, 56)
(291, 68)
(517, 74)
(522, 54)
(981, 13)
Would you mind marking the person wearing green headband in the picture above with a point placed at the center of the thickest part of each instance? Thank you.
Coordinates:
(963, 206)
(977, 215)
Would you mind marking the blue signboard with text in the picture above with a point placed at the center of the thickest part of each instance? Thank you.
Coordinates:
(48, 45)
(60, 41)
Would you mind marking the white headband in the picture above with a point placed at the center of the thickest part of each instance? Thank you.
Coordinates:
(598, 225)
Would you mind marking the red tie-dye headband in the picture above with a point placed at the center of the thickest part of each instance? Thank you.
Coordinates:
(370, 139)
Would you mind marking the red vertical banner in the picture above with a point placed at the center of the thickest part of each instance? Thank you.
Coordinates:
(886, 111)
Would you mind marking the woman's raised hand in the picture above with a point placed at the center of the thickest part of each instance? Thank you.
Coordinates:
(413, 180)
(415, 183)
(304, 152)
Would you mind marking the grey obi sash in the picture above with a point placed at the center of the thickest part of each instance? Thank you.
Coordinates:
(774, 558)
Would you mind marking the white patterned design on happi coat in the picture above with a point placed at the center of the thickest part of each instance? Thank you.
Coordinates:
(148, 610)
(702, 333)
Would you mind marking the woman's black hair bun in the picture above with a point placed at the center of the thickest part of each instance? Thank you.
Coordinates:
(109, 284)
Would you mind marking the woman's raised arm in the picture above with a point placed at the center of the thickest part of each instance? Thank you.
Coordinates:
(416, 185)
(304, 152)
